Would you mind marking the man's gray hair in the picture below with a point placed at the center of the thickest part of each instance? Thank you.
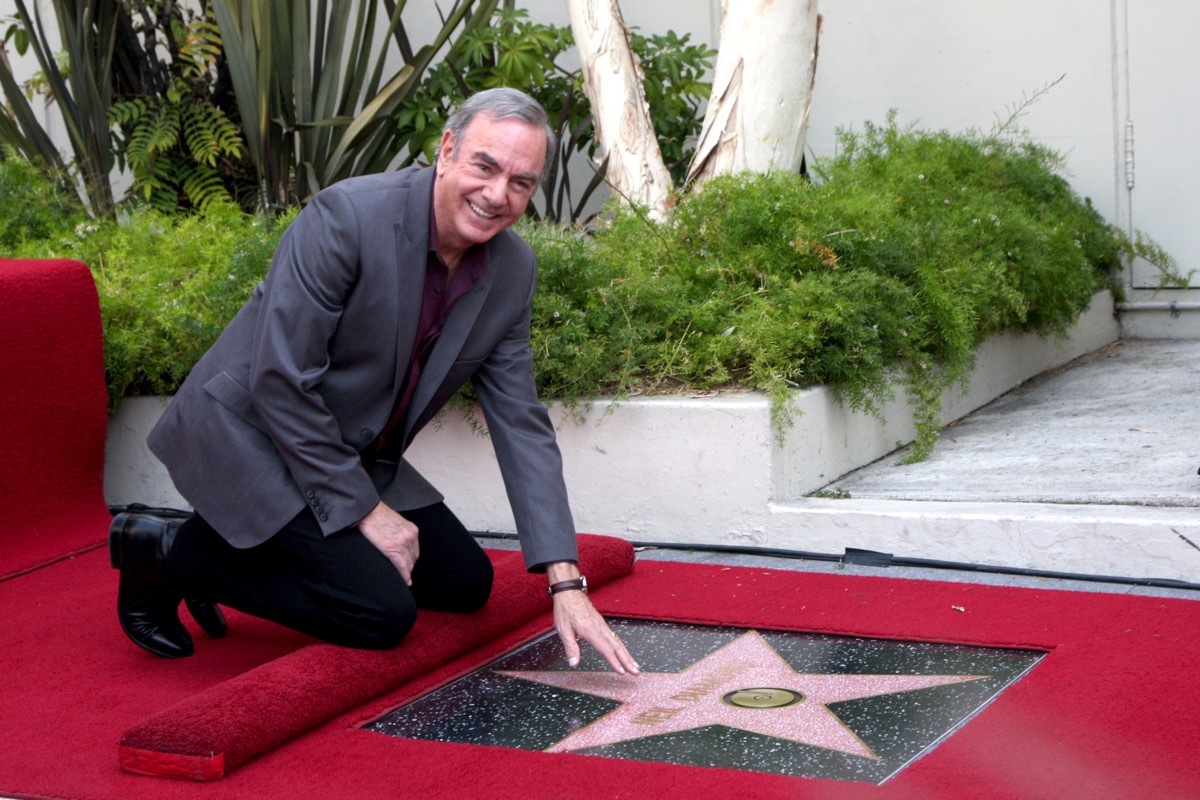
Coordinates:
(504, 103)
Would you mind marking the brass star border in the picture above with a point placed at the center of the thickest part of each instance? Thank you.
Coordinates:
(789, 703)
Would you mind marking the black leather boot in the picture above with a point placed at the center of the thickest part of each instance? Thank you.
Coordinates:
(146, 604)
(208, 615)
(206, 612)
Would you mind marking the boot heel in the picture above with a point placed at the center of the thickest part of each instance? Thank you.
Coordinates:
(114, 539)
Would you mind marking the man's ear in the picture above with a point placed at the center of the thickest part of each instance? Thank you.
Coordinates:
(445, 150)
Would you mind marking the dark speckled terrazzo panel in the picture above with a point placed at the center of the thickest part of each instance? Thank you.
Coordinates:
(796, 704)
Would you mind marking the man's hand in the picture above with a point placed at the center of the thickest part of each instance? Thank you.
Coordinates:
(395, 537)
(576, 618)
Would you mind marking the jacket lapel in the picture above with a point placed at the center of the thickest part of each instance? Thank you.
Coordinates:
(412, 252)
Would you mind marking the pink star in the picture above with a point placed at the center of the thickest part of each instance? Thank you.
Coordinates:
(745, 685)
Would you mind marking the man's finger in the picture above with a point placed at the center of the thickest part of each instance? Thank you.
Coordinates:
(625, 658)
(570, 647)
(404, 567)
(617, 655)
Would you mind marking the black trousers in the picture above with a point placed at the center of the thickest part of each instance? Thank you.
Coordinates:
(338, 588)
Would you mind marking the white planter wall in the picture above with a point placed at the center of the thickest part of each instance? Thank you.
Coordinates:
(699, 470)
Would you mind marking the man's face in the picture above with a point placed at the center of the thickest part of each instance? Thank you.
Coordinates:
(485, 180)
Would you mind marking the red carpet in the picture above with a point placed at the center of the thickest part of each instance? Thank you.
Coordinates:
(1111, 712)
(73, 684)
(53, 414)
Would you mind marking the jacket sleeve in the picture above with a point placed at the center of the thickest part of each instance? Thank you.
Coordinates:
(315, 268)
(526, 447)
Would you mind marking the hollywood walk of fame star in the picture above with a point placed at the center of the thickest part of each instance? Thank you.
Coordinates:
(745, 685)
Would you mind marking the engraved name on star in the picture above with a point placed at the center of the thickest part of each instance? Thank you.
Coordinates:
(744, 684)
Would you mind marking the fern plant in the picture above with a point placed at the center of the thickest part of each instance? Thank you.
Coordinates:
(174, 142)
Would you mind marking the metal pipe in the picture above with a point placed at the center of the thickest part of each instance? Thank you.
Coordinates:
(1173, 306)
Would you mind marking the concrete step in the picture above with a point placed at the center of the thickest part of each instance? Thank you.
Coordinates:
(1100, 540)
(1091, 467)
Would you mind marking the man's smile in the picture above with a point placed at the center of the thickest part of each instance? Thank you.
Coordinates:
(480, 212)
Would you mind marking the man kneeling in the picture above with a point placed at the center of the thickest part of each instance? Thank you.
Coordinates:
(385, 295)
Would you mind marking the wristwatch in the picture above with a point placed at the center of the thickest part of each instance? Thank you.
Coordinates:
(579, 583)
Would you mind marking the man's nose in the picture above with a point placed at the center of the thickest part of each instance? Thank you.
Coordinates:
(495, 190)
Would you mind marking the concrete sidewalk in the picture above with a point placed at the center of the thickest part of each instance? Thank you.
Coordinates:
(1117, 427)
(1090, 468)
(1107, 445)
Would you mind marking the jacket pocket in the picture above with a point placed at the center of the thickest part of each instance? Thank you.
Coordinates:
(235, 397)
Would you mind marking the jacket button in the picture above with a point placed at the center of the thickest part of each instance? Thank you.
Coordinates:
(324, 518)
(366, 434)
(310, 494)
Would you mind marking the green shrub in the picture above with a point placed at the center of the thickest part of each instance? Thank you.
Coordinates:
(168, 286)
(905, 253)
(36, 207)
(909, 250)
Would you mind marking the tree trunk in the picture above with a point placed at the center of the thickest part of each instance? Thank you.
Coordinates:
(762, 89)
(612, 81)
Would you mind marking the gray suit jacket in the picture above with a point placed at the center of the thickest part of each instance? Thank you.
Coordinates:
(274, 416)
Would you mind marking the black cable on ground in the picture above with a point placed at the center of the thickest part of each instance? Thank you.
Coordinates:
(873, 558)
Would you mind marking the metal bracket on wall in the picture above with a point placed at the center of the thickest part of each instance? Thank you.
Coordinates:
(1129, 154)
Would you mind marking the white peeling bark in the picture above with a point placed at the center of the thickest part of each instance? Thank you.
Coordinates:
(762, 89)
(612, 81)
